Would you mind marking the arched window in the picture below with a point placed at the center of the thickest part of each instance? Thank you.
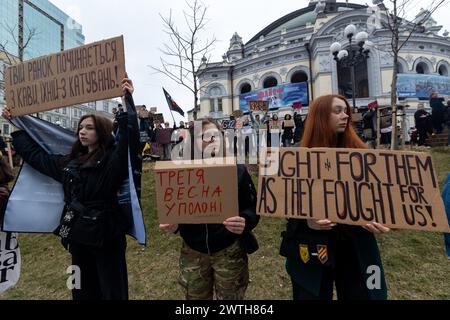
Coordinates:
(422, 68)
(443, 71)
(361, 80)
(270, 82)
(299, 76)
(400, 68)
(246, 88)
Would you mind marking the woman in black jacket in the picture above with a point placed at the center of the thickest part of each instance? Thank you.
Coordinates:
(92, 227)
(214, 256)
(320, 253)
(288, 133)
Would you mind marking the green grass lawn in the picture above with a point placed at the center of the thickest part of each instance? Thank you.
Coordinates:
(415, 262)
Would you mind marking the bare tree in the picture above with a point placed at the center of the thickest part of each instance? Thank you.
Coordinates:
(402, 30)
(185, 50)
(21, 42)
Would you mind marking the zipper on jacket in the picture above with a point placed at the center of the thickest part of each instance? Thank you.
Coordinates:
(207, 236)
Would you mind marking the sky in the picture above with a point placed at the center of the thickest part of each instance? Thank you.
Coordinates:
(140, 23)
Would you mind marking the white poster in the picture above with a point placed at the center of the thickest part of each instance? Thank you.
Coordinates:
(9, 260)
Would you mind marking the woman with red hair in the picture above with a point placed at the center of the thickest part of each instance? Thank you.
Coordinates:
(321, 253)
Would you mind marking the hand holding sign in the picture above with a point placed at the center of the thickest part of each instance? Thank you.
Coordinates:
(6, 114)
(235, 224)
(169, 228)
(127, 85)
(376, 228)
(319, 225)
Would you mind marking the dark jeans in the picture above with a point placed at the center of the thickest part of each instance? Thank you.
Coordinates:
(350, 284)
(103, 271)
(423, 135)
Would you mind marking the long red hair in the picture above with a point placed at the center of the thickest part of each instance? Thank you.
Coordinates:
(318, 132)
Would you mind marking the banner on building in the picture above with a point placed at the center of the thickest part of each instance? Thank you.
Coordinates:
(10, 261)
(352, 186)
(278, 97)
(197, 192)
(422, 85)
(89, 73)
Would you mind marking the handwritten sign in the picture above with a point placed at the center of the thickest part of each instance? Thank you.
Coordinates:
(288, 123)
(352, 186)
(196, 193)
(84, 74)
(258, 105)
(275, 124)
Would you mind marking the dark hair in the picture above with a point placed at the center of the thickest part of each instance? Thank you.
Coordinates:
(289, 117)
(103, 127)
(6, 174)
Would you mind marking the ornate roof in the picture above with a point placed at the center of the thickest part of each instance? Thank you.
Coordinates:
(300, 18)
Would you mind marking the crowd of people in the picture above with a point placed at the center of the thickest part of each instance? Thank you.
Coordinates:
(158, 140)
(428, 124)
(213, 257)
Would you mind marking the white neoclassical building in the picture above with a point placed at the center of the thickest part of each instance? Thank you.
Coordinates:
(290, 61)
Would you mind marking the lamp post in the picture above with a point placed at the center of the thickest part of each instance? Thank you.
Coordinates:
(353, 56)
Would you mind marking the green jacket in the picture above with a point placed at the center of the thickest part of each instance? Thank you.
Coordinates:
(308, 275)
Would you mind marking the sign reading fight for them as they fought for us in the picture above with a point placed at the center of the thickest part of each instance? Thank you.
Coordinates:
(89, 73)
(196, 192)
(352, 186)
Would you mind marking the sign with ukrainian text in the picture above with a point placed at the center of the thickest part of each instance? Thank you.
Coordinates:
(196, 192)
(281, 96)
(83, 74)
(352, 186)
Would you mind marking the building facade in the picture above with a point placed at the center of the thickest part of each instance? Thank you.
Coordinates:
(296, 49)
(53, 31)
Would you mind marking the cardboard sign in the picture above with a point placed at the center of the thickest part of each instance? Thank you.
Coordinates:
(356, 117)
(238, 113)
(289, 123)
(89, 73)
(196, 192)
(259, 105)
(353, 186)
(153, 109)
(275, 125)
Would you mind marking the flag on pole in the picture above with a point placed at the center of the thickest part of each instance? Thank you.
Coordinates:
(173, 106)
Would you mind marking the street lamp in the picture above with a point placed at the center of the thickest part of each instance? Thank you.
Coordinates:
(352, 56)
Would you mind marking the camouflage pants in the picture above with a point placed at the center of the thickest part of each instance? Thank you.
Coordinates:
(225, 272)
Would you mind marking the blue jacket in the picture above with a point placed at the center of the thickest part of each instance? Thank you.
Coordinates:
(446, 198)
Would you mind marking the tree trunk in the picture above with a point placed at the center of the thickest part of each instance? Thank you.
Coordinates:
(394, 145)
(395, 46)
